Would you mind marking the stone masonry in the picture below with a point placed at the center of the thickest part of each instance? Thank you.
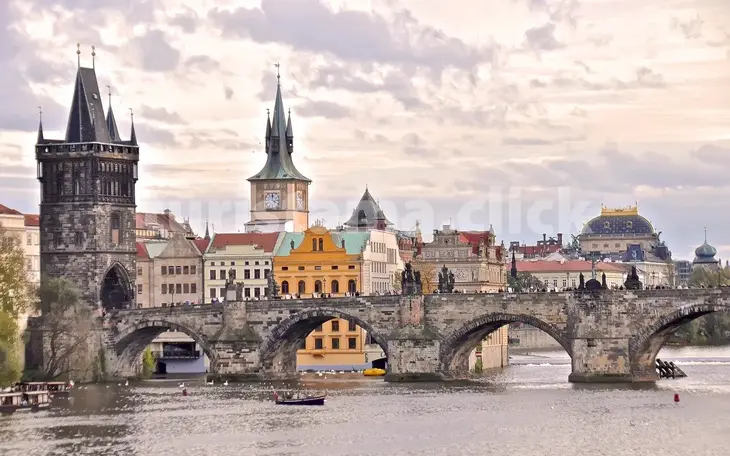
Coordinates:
(611, 336)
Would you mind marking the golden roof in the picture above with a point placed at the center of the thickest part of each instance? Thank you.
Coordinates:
(619, 211)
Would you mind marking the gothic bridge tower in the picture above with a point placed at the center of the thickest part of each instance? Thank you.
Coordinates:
(87, 209)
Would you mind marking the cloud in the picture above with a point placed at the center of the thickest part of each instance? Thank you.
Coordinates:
(162, 115)
(326, 109)
(154, 51)
(691, 29)
(350, 35)
(415, 146)
(202, 63)
(543, 38)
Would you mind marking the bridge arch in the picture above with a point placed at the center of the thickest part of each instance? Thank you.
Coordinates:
(645, 345)
(131, 342)
(278, 351)
(456, 346)
(116, 291)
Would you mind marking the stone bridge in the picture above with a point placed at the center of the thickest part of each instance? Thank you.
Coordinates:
(611, 336)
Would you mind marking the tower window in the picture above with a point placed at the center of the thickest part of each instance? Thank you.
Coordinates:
(314, 245)
(79, 238)
(116, 228)
(321, 244)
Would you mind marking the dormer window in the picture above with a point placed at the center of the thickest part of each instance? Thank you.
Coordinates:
(607, 225)
(629, 224)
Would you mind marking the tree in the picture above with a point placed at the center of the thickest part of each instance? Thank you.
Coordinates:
(68, 326)
(429, 282)
(148, 363)
(524, 282)
(396, 281)
(15, 295)
(704, 277)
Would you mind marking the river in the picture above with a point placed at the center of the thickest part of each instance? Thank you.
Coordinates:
(528, 409)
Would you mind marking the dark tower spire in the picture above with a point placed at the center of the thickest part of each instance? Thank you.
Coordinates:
(86, 121)
(111, 122)
(133, 135)
(513, 270)
(207, 233)
(40, 139)
(279, 164)
(289, 134)
(268, 131)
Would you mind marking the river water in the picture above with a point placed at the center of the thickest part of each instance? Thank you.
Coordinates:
(527, 409)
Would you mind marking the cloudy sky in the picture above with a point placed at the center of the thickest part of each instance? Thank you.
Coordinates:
(526, 114)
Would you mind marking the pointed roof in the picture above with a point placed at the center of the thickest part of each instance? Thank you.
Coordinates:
(289, 133)
(111, 123)
(40, 139)
(279, 164)
(133, 134)
(268, 125)
(86, 121)
(207, 233)
(367, 213)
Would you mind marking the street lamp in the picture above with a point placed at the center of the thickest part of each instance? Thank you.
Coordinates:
(324, 286)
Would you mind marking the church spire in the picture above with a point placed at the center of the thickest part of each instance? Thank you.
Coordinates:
(513, 270)
(133, 135)
(40, 139)
(207, 233)
(111, 122)
(86, 121)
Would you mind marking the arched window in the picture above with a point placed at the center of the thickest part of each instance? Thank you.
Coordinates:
(351, 286)
(321, 244)
(302, 287)
(285, 287)
(318, 286)
(335, 287)
(314, 244)
(115, 224)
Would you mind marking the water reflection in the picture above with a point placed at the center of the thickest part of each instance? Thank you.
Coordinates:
(527, 409)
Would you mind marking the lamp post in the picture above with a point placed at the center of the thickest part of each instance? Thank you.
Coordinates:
(324, 286)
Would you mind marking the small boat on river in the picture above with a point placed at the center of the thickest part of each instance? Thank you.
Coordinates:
(59, 389)
(299, 399)
(31, 401)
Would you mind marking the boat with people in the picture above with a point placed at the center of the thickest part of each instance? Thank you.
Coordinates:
(55, 389)
(299, 399)
(33, 401)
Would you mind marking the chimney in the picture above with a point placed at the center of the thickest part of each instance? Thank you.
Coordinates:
(560, 239)
(544, 238)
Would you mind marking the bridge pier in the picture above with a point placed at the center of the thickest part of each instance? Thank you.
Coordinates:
(601, 360)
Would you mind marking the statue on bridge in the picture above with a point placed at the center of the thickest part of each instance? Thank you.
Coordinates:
(446, 281)
(581, 281)
(230, 278)
(632, 281)
(272, 288)
(410, 281)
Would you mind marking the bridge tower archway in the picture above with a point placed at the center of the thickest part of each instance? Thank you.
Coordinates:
(278, 352)
(130, 345)
(458, 345)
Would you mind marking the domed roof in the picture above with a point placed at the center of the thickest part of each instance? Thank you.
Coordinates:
(705, 251)
(619, 221)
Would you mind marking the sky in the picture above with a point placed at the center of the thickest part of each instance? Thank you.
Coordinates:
(524, 114)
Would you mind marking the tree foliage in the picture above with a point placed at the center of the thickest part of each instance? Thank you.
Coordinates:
(524, 282)
(712, 329)
(68, 325)
(396, 281)
(703, 277)
(148, 363)
(16, 293)
(429, 281)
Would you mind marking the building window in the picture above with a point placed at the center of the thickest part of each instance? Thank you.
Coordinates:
(213, 293)
(257, 273)
(565, 283)
(301, 287)
(335, 343)
(212, 274)
(79, 240)
(233, 263)
(212, 263)
(139, 289)
(247, 292)
(193, 269)
(617, 245)
(300, 268)
(57, 239)
(29, 239)
(318, 343)
(193, 288)
(285, 287)
(314, 245)
(178, 288)
(335, 285)
(115, 225)
(285, 268)
(266, 262)
(164, 288)
(163, 270)
(335, 325)
(186, 269)
(351, 266)
(256, 263)
(222, 274)
(246, 273)
(318, 268)
(318, 286)
(223, 292)
(318, 328)
(321, 245)
(178, 270)
(351, 286)
(334, 268)
(232, 274)
(266, 273)
(351, 326)
(139, 271)
(352, 343)
(171, 270)
(186, 288)
(257, 292)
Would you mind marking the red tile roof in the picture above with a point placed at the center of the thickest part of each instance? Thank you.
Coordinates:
(201, 244)
(531, 250)
(142, 250)
(165, 221)
(7, 211)
(267, 241)
(32, 220)
(566, 266)
(473, 238)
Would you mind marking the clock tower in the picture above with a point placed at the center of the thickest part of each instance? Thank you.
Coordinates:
(279, 192)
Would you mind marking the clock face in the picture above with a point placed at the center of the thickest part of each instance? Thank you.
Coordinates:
(300, 200)
(271, 200)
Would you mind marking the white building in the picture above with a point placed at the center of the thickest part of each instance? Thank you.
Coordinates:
(26, 229)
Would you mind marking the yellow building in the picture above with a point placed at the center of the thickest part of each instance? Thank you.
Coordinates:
(335, 345)
(317, 261)
(493, 352)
